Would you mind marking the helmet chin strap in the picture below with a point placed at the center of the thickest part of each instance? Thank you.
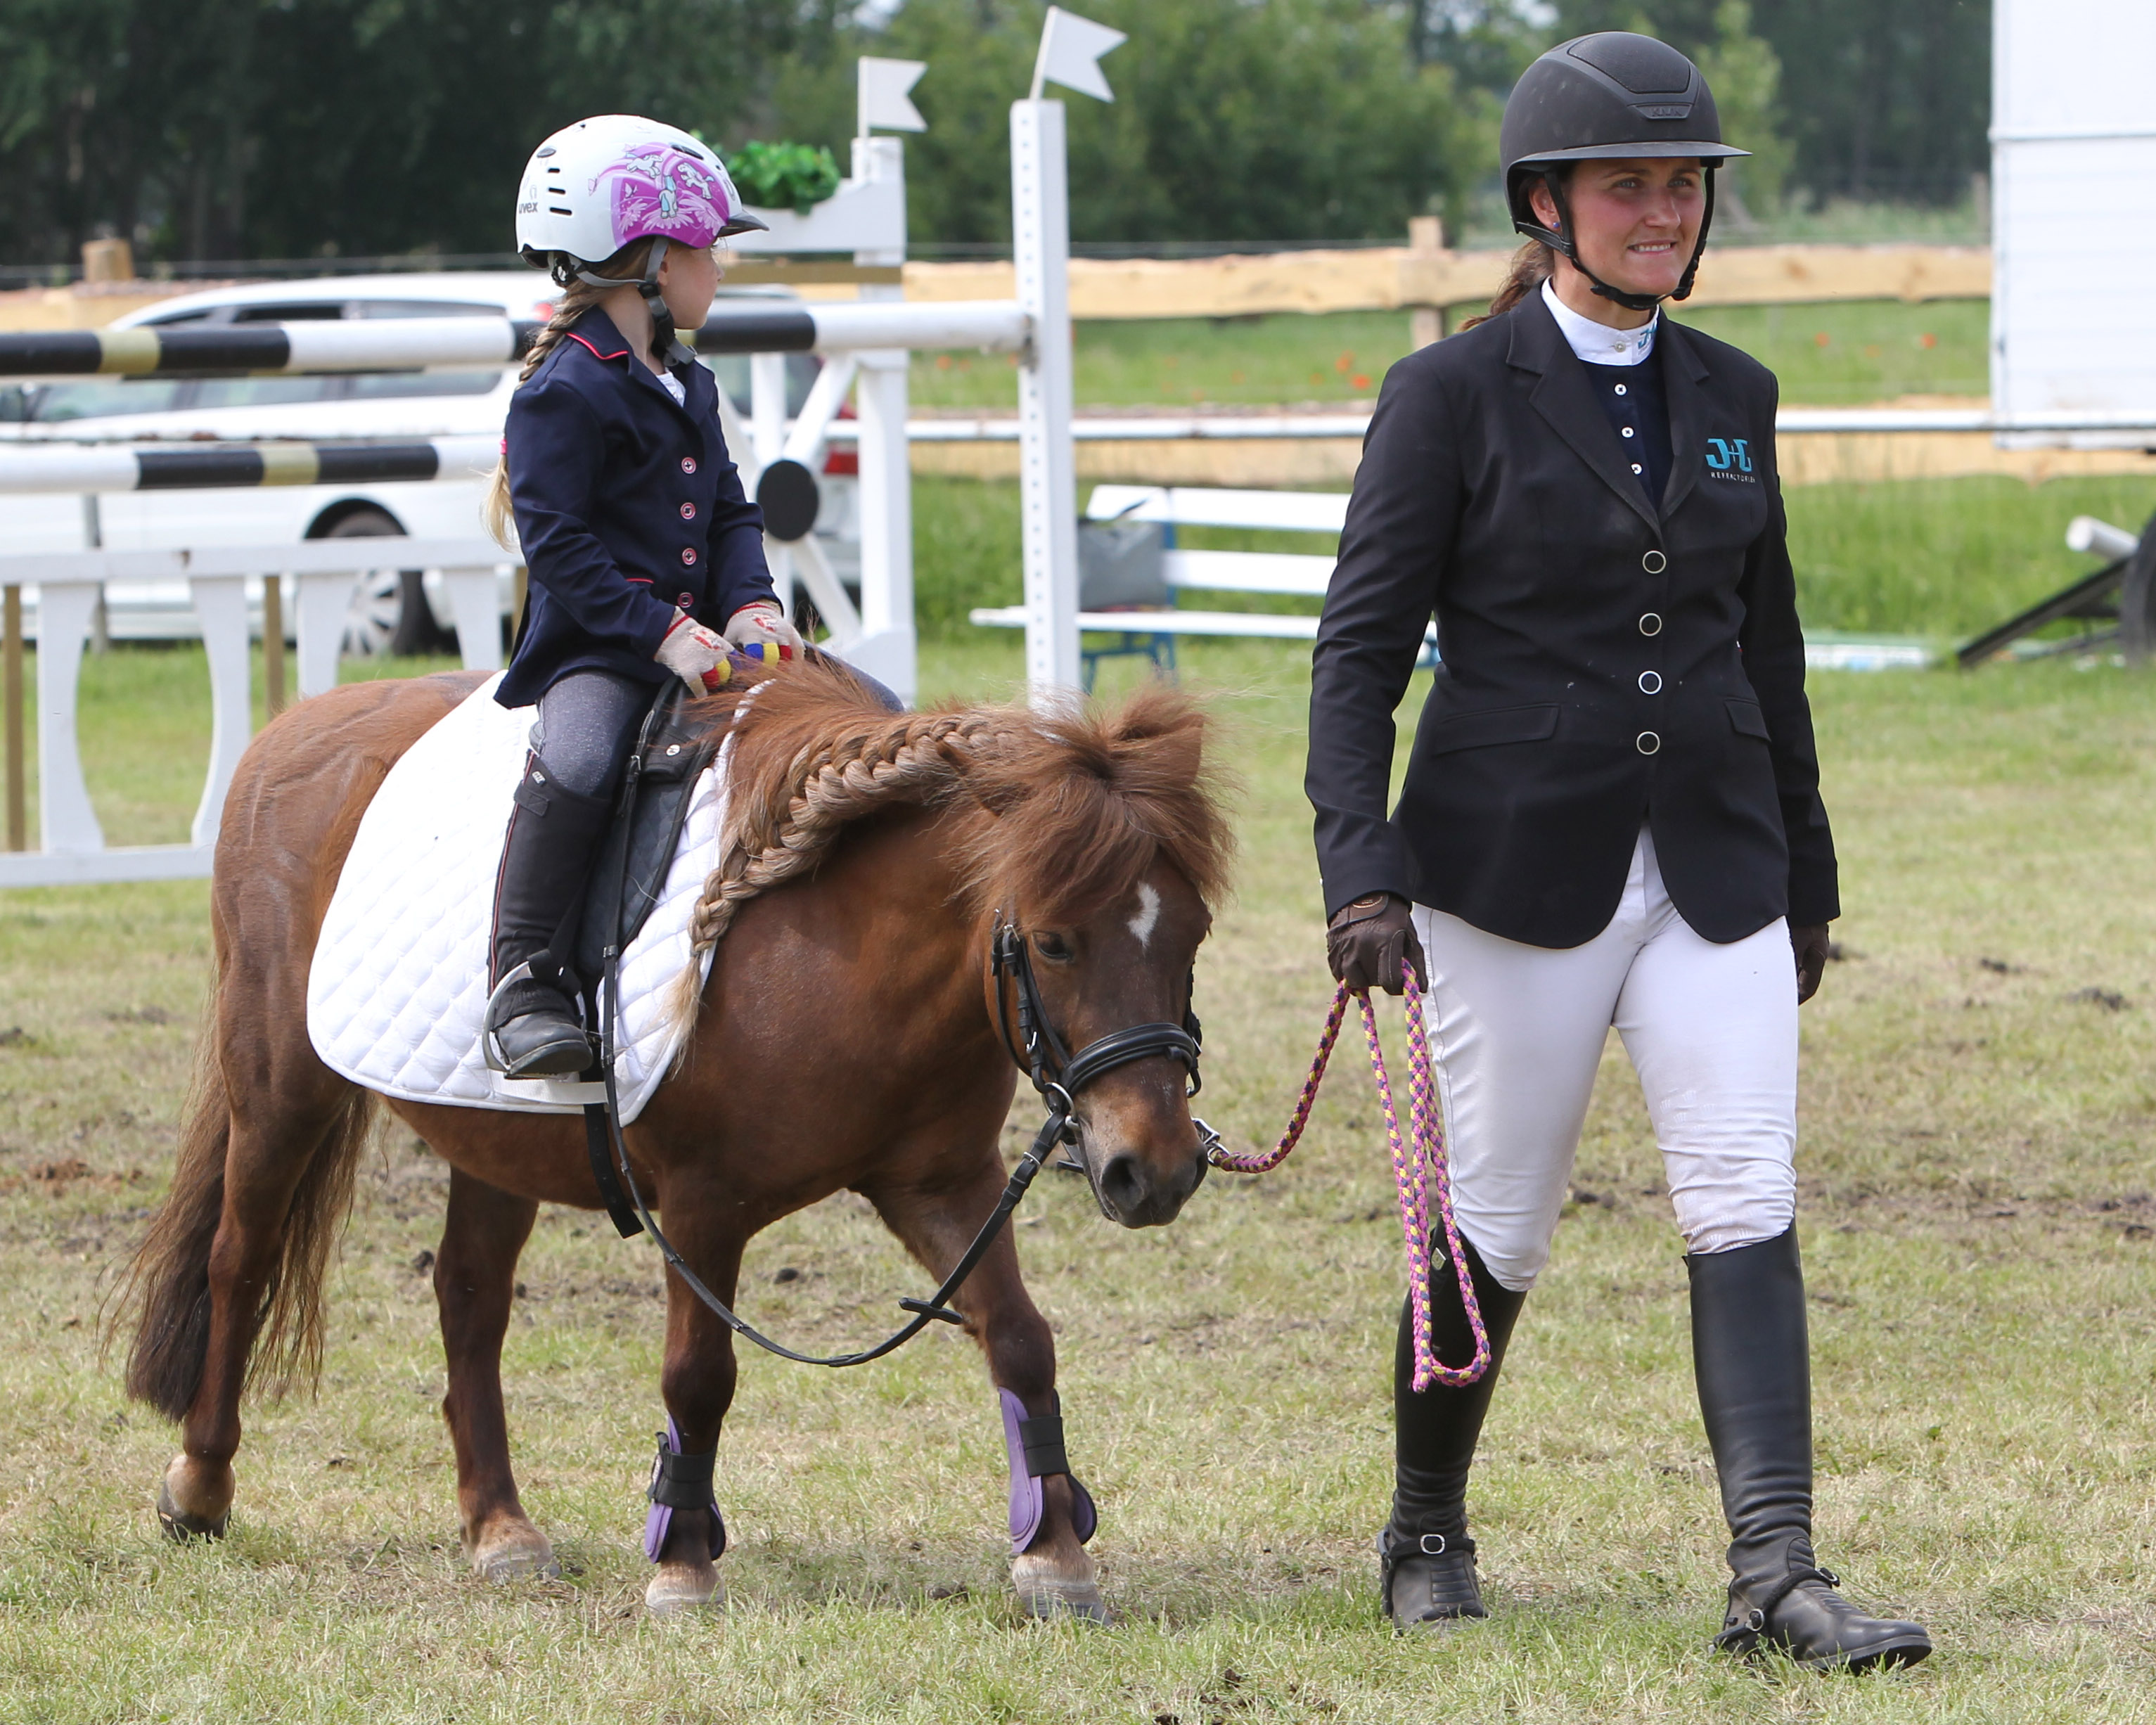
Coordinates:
(1559, 239)
(665, 341)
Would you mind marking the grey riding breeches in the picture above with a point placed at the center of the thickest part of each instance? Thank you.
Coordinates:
(586, 727)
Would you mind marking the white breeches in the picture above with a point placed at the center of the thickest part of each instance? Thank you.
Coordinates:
(1517, 1032)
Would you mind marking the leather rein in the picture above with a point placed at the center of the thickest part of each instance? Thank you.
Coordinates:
(1056, 1074)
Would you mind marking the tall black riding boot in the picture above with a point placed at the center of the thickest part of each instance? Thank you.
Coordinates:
(1426, 1561)
(1753, 1359)
(532, 1027)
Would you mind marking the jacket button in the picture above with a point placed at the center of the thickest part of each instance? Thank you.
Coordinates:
(687, 512)
(1647, 742)
(688, 464)
(688, 555)
(1651, 682)
(1654, 562)
(686, 601)
(1625, 431)
(1651, 623)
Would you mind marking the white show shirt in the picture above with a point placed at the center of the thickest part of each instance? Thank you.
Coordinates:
(1597, 343)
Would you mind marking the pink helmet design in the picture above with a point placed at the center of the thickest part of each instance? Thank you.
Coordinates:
(593, 187)
(656, 188)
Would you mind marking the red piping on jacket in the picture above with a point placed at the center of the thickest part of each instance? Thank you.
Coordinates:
(595, 353)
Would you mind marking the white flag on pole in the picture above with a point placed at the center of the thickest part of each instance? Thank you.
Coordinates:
(882, 94)
(1071, 50)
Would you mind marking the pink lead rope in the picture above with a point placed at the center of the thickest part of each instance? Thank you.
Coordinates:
(1419, 1169)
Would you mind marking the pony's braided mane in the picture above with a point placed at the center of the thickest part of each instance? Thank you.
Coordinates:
(833, 782)
(1091, 799)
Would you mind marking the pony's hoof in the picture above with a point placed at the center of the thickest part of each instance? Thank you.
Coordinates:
(182, 1527)
(1046, 1591)
(678, 1588)
(514, 1554)
(182, 1524)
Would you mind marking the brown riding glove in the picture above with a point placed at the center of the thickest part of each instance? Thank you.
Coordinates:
(1368, 941)
(1810, 943)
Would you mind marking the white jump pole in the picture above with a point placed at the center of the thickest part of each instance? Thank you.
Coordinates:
(1070, 49)
(888, 643)
(1048, 472)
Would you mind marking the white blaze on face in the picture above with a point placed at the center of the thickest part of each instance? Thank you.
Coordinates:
(1142, 925)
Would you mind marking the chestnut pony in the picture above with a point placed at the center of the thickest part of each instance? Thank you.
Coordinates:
(850, 1036)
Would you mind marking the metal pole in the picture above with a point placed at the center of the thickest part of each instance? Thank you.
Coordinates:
(11, 697)
(1048, 478)
(272, 645)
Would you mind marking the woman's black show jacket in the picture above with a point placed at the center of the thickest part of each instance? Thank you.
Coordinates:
(1604, 664)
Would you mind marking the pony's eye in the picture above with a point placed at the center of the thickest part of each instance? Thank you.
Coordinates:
(1052, 946)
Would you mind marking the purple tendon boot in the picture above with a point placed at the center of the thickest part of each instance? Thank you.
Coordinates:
(1048, 1587)
(679, 1481)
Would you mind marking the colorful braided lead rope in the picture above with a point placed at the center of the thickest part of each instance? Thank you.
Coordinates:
(1419, 1168)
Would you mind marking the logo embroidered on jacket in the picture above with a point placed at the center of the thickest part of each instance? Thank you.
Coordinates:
(1730, 458)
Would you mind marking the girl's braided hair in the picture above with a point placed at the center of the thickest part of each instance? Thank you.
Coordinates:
(576, 299)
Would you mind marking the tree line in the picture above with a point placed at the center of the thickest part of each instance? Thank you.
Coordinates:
(260, 129)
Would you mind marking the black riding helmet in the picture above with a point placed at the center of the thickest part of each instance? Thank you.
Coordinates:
(1610, 94)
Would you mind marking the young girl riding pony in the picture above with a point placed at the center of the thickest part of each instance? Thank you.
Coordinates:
(646, 557)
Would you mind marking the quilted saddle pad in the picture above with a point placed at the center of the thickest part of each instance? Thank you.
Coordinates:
(397, 988)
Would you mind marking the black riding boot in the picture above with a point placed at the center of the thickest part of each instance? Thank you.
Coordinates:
(1425, 1560)
(1753, 1360)
(532, 1027)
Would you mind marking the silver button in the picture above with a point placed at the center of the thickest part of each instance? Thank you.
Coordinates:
(1626, 431)
(674, 748)
(1651, 682)
(1651, 623)
(1635, 467)
(1654, 562)
(1647, 742)
(1621, 389)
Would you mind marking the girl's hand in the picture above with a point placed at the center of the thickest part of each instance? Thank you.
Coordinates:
(695, 655)
(763, 624)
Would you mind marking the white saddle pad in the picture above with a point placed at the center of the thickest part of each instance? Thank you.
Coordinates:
(397, 988)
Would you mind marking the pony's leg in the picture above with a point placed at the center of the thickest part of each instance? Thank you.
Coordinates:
(697, 1381)
(275, 1143)
(1054, 1575)
(475, 1283)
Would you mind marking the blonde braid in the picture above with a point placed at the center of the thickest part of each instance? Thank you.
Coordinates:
(834, 783)
(577, 298)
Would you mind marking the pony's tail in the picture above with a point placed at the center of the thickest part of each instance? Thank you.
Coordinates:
(167, 1281)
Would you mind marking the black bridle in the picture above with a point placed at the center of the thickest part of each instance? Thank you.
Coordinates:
(1057, 1076)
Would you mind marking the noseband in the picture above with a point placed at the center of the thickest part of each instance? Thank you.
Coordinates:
(1057, 1074)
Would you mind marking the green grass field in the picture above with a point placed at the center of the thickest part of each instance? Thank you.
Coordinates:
(1829, 354)
(1977, 1217)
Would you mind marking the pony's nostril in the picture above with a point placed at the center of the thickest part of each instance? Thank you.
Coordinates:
(1123, 1183)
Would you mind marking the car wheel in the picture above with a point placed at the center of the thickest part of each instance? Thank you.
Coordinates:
(388, 613)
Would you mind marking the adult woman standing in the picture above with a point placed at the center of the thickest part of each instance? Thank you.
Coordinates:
(1611, 815)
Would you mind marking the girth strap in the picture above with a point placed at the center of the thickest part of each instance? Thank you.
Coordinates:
(603, 1174)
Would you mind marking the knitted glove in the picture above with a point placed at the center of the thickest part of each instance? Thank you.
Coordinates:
(1367, 942)
(762, 631)
(695, 655)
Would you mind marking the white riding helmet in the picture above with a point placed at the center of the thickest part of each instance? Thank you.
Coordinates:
(594, 186)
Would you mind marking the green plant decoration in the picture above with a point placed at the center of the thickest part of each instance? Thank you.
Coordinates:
(795, 177)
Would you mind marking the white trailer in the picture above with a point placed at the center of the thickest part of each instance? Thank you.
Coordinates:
(2073, 144)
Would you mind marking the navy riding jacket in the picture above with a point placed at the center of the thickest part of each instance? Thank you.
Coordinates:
(628, 507)
(1609, 658)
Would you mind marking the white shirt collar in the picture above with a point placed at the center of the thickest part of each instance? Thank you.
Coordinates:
(1597, 343)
